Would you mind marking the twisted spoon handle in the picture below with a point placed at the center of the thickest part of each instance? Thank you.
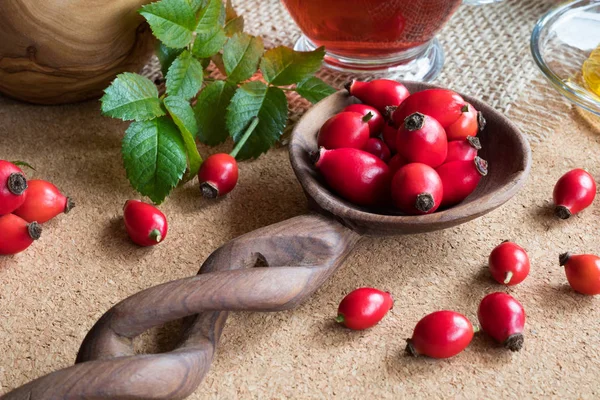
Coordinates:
(300, 253)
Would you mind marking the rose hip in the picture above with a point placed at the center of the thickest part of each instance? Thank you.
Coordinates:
(463, 150)
(422, 139)
(502, 317)
(354, 174)
(509, 263)
(43, 202)
(379, 93)
(583, 272)
(346, 129)
(417, 189)
(16, 234)
(390, 135)
(442, 334)
(460, 178)
(573, 192)
(376, 121)
(444, 105)
(13, 187)
(468, 124)
(396, 163)
(218, 175)
(363, 308)
(145, 224)
(378, 149)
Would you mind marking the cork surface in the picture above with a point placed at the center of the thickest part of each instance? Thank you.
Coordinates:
(51, 295)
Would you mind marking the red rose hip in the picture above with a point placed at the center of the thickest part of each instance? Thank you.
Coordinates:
(43, 202)
(376, 121)
(396, 163)
(468, 124)
(354, 174)
(463, 150)
(503, 318)
(363, 308)
(218, 175)
(442, 334)
(378, 148)
(509, 263)
(379, 93)
(13, 187)
(444, 105)
(390, 134)
(573, 192)
(417, 189)
(583, 272)
(16, 234)
(460, 178)
(146, 225)
(422, 139)
(346, 129)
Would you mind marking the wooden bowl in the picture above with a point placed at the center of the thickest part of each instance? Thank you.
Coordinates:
(504, 147)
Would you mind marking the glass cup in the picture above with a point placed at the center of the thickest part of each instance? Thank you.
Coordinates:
(375, 35)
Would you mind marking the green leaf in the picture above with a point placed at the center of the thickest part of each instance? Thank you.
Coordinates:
(241, 55)
(209, 43)
(131, 97)
(314, 90)
(209, 16)
(185, 76)
(284, 66)
(269, 104)
(154, 157)
(183, 116)
(166, 55)
(210, 110)
(234, 26)
(172, 21)
(197, 4)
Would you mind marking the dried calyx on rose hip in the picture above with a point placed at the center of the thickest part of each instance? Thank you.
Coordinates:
(43, 202)
(346, 129)
(573, 192)
(583, 272)
(16, 234)
(146, 225)
(364, 308)
(378, 93)
(442, 334)
(13, 187)
(503, 318)
(355, 175)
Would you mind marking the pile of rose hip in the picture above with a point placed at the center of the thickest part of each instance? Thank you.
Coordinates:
(24, 205)
(431, 134)
(444, 334)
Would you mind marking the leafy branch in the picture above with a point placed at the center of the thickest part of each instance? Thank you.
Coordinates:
(159, 148)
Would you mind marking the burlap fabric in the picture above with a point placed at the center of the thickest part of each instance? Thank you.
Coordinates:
(52, 294)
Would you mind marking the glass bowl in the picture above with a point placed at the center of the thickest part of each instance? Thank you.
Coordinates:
(561, 41)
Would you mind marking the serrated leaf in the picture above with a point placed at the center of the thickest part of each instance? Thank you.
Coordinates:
(269, 104)
(183, 116)
(209, 16)
(131, 97)
(166, 55)
(241, 55)
(209, 43)
(210, 110)
(172, 21)
(314, 89)
(185, 76)
(284, 66)
(234, 26)
(154, 157)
